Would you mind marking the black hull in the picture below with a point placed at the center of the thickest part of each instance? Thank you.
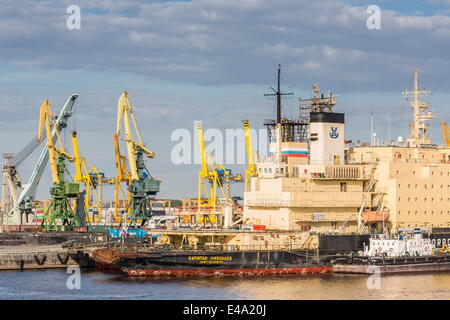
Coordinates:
(222, 263)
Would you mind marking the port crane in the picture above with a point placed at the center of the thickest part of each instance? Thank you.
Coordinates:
(61, 191)
(213, 176)
(251, 156)
(17, 197)
(445, 133)
(140, 183)
(92, 180)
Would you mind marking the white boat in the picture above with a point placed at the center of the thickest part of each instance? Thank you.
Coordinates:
(399, 245)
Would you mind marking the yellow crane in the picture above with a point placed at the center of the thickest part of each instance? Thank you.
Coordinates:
(92, 179)
(140, 183)
(61, 191)
(207, 175)
(251, 167)
(445, 133)
(213, 174)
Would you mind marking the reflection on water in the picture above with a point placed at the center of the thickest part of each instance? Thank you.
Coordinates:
(96, 285)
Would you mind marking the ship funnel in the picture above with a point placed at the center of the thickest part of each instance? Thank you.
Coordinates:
(327, 138)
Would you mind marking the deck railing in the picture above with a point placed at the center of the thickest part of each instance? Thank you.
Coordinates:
(225, 248)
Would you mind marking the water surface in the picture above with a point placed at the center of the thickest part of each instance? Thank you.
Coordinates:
(98, 285)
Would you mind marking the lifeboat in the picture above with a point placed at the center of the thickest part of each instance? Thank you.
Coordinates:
(375, 216)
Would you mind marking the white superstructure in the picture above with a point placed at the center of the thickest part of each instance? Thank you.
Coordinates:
(399, 245)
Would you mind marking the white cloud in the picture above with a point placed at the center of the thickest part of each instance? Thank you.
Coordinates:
(137, 44)
(212, 41)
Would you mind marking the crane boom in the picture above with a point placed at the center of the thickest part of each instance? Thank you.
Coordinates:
(125, 112)
(28, 192)
(45, 120)
(251, 168)
(23, 154)
(445, 133)
(201, 144)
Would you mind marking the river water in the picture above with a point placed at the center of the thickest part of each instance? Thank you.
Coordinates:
(96, 285)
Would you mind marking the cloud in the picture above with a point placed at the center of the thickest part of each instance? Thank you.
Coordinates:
(209, 60)
(226, 42)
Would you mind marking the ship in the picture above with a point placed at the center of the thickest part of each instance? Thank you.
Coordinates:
(316, 194)
(316, 191)
(330, 193)
(387, 254)
(211, 262)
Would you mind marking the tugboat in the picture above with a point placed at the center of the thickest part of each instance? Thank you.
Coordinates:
(400, 253)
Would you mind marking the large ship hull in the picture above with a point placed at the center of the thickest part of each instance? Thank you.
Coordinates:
(217, 263)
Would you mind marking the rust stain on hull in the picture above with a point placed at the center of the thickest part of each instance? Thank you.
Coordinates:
(229, 272)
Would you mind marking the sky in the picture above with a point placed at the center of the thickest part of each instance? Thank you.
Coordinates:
(213, 60)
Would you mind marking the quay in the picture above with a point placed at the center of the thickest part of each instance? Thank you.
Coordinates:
(32, 251)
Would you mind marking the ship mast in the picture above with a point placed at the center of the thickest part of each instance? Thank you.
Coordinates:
(278, 94)
(419, 128)
(279, 128)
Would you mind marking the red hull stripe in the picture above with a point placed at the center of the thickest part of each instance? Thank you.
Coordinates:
(226, 272)
(295, 155)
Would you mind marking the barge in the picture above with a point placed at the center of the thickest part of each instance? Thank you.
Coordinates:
(212, 262)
